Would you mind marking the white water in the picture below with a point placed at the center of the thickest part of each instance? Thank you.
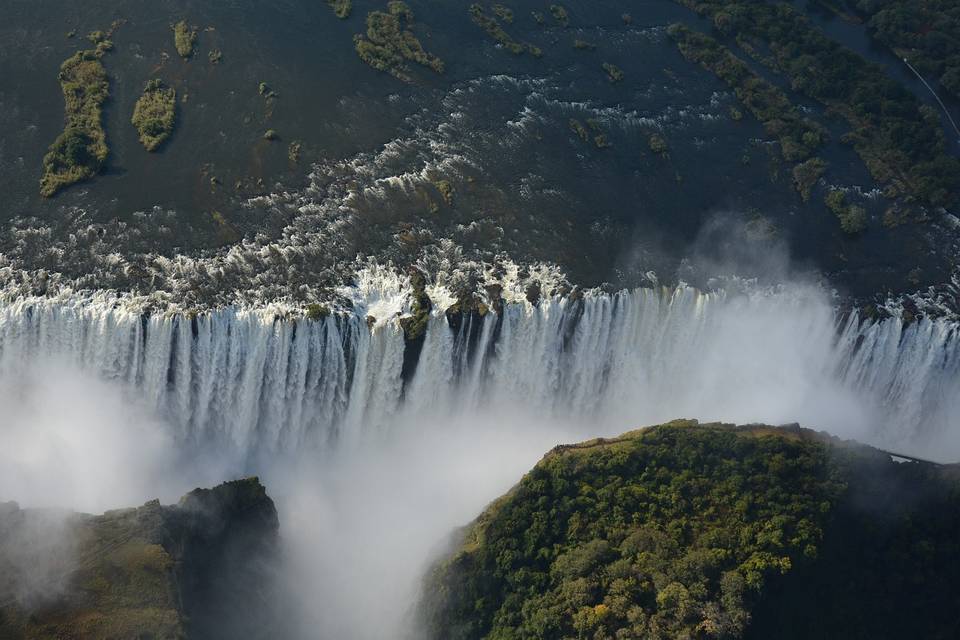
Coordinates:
(260, 383)
(101, 406)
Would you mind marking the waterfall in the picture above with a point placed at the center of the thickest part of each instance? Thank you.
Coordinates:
(255, 380)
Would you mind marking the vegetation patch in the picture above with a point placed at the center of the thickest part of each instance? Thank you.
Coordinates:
(686, 531)
(853, 218)
(926, 33)
(495, 31)
(799, 137)
(154, 115)
(79, 152)
(658, 144)
(293, 151)
(592, 132)
(577, 127)
(341, 8)
(389, 43)
(215, 56)
(614, 73)
(806, 174)
(184, 38)
(446, 191)
(503, 12)
(317, 312)
(559, 13)
(583, 45)
(900, 140)
(153, 572)
(415, 325)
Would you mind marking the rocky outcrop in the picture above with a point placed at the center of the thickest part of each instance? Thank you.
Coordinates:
(200, 569)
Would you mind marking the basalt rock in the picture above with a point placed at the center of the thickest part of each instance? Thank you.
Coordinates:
(198, 569)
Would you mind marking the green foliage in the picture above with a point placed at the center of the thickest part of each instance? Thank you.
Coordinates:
(271, 135)
(415, 325)
(900, 140)
(215, 56)
(926, 32)
(594, 134)
(853, 219)
(341, 8)
(888, 567)
(446, 191)
(317, 311)
(495, 31)
(669, 532)
(559, 13)
(264, 90)
(577, 127)
(154, 115)
(657, 144)
(614, 73)
(184, 38)
(80, 151)
(293, 151)
(503, 12)
(799, 137)
(389, 42)
(806, 174)
(583, 45)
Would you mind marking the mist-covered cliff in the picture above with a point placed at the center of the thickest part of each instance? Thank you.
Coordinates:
(199, 569)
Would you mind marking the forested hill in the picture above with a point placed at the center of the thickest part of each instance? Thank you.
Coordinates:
(709, 531)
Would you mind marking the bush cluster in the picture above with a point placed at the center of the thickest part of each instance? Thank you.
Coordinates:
(154, 114)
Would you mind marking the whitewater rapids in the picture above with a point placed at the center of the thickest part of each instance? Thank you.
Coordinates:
(254, 380)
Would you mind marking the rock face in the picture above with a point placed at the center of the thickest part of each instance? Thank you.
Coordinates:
(708, 531)
(198, 569)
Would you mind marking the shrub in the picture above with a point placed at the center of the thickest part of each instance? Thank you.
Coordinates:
(154, 114)
(184, 38)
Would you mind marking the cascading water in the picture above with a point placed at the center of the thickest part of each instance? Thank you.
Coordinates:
(258, 381)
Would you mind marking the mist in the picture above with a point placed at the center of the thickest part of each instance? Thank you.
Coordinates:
(71, 440)
(362, 525)
(367, 504)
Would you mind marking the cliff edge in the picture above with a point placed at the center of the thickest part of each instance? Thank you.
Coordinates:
(197, 569)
